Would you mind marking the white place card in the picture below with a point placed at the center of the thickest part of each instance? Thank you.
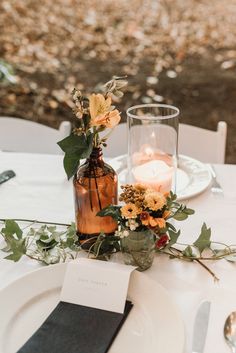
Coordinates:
(97, 284)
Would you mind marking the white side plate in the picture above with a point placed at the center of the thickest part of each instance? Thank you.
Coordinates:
(153, 325)
(193, 176)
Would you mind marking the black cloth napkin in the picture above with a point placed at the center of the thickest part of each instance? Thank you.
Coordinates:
(74, 328)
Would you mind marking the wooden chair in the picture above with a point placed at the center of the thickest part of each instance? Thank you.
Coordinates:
(205, 145)
(21, 135)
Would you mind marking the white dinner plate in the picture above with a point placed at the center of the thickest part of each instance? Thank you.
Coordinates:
(153, 325)
(193, 176)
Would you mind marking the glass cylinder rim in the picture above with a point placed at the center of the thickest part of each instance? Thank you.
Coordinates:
(153, 105)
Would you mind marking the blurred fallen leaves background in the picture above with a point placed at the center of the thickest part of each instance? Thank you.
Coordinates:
(181, 52)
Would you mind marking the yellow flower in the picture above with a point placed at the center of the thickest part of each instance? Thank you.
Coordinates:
(154, 200)
(129, 210)
(98, 105)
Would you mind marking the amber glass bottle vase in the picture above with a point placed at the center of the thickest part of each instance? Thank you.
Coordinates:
(95, 187)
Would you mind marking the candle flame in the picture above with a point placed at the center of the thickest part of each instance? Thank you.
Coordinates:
(149, 151)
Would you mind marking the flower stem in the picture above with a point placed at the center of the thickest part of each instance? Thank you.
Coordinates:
(34, 221)
(199, 262)
(216, 279)
(95, 178)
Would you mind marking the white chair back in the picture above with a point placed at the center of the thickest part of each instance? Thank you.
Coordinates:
(205, 145)
(117, 142)
(21, 135)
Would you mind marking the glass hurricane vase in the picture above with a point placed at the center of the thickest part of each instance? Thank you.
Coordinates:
(95, 187)
(152, 145)
(138, 249)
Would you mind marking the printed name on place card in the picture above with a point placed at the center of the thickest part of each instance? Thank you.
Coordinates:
(97, 284)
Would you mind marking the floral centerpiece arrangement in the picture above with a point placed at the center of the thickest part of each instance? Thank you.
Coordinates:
(144, 222)
(95, 182)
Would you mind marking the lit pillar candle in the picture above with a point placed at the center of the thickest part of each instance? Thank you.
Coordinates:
(155, 174)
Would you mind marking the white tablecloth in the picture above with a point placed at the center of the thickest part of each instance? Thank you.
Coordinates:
(41, 191)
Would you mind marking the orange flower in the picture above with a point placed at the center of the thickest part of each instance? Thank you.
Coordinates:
(98, 105)
(157, 222)
(99, 108)
(130, 210)
(160, 222)
(108, 120)
(152, 221)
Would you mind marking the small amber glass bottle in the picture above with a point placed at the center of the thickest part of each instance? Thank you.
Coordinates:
(95, 187)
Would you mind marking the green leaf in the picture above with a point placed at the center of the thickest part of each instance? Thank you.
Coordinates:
(72, 143)
(80, 144)
(15, 245)
(169, 225)
(172, 197)
(180, 216)
(188, 252)
(86, 120)
(14, 257)
(71, 230)
(112, 211)
(18, 249)
(11, 228)
(46, 245)
(75, 148)
(189, 211)
(173, 237)
(71, 238)
(71, 163)
(203, 241)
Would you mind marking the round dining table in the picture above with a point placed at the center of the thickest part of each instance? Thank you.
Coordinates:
(40, 191)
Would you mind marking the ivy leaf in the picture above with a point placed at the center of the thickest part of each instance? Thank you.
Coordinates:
(47, 259)
(188, 252)
(203, 241)
(112, 211)
(173, 237)
(11, 228)
(71, 230)
(18, 249)
(75, 148)
(71, 238)
(46, 245)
